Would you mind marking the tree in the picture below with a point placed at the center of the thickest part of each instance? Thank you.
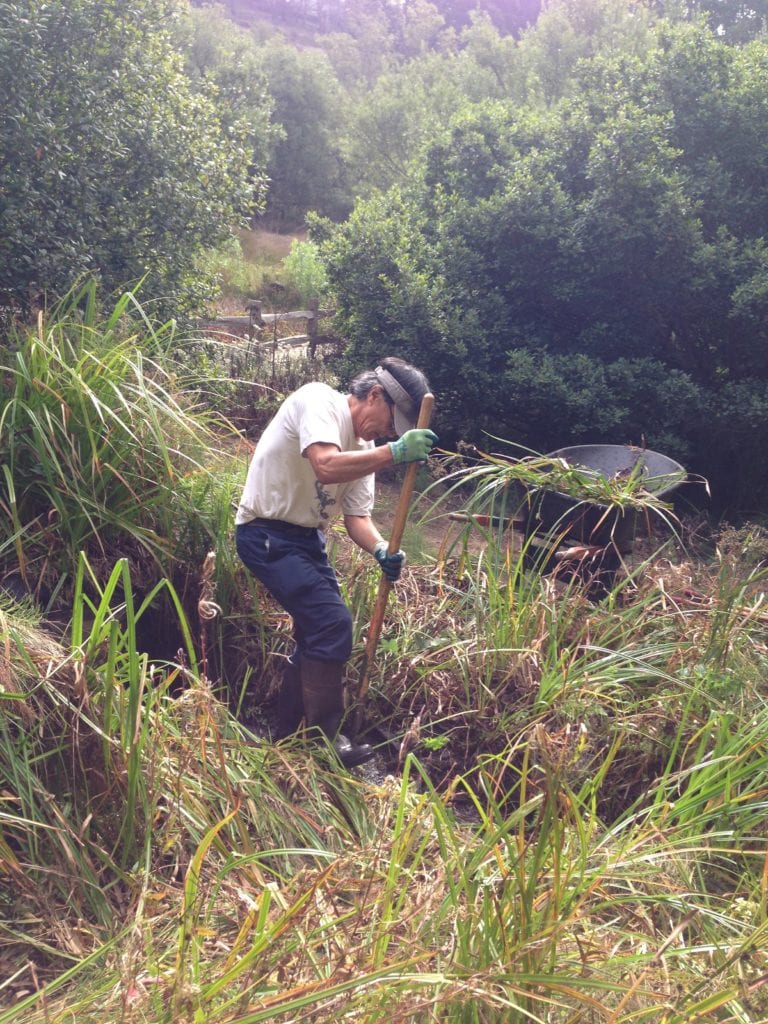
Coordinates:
(305, 167)
(394, 122)
(224, 61)
(570, 31)
(110, 165)
(732, 20)
(509, 16)
(609, 253)
(495, 54)
(364, 48)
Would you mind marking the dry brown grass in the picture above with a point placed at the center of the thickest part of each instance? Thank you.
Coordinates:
(264, 246)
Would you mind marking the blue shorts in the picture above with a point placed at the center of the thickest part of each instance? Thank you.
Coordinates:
(292, 563)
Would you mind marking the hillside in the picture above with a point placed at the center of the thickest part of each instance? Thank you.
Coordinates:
(301, 19)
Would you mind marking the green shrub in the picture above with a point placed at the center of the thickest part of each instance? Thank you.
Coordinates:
(305, 271)
(237, 278)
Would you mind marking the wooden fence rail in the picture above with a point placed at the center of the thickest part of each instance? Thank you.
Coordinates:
(255, 323)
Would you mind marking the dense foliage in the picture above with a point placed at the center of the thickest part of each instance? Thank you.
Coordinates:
(306, 167)
(110, 164)
(565, 226)
(594, 271)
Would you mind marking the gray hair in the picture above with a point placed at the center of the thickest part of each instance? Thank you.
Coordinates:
(410, 379)
(362, 384)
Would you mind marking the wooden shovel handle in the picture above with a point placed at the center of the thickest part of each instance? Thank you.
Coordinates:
(395, 537)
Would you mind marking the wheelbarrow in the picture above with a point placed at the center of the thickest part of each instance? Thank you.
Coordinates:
(587, 539)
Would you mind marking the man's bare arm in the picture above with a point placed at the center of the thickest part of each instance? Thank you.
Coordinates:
(332, 466)
(363, 532)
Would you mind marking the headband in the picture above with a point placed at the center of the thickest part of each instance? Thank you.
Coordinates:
(406, 410)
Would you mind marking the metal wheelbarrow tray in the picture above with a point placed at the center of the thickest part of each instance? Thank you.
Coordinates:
(593, 523)
(557, 523)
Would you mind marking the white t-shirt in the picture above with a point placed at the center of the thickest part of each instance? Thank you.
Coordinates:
(281, 483)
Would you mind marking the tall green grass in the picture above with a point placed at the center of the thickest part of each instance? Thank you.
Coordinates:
(114, 770)
(259, 889)
(238, 278)
(573, 831)
(536, 911)
(95, 436)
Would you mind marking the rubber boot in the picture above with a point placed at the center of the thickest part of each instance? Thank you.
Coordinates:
(290, 704)
(323, 690)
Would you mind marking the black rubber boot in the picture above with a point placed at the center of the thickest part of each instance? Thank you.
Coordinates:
(323, 691)
(290, 704)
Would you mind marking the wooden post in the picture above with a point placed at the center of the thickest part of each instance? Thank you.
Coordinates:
(256, 323)
(314, 306)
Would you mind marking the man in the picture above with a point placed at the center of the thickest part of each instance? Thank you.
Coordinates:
(317, 458)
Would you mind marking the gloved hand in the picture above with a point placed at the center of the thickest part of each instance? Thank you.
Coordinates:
(391, 565)
(413, 446)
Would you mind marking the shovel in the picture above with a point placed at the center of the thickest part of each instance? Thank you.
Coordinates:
(385, 585)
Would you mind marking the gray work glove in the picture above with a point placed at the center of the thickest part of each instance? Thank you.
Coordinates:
(413, 446)
(391, 565)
